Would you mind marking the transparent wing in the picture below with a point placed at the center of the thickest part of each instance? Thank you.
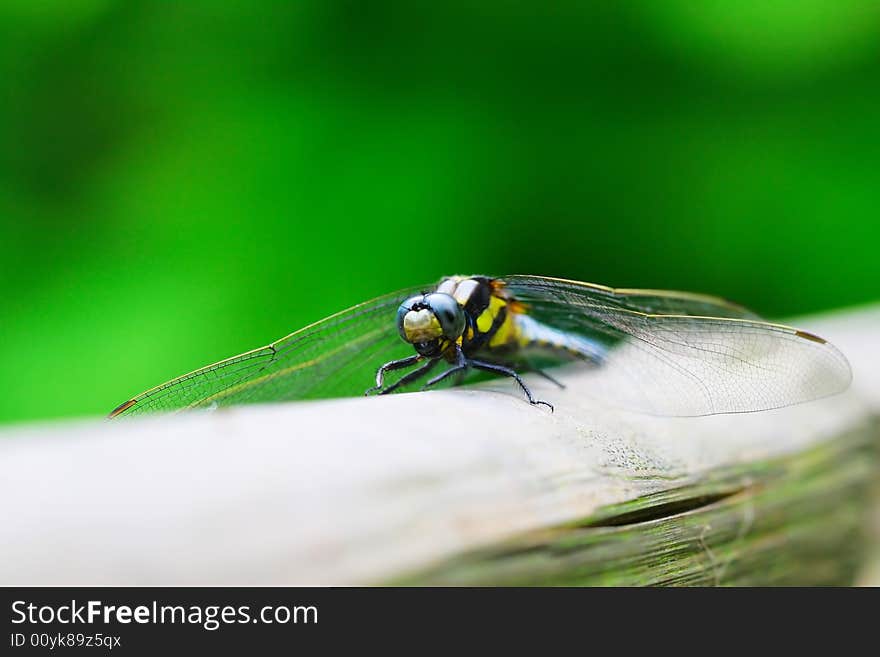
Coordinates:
(337, 356)
(673, 353)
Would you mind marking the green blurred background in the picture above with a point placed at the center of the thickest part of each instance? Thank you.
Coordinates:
(180, 182)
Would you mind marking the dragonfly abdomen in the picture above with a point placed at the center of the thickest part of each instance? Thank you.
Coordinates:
(535, 335)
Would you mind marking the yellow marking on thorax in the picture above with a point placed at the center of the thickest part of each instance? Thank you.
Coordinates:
(484, 321)
(507, 333)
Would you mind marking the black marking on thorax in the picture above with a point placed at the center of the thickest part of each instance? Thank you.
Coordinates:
(479, 340)
(472, 293)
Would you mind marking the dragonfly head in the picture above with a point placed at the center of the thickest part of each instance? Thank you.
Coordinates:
(430, 322)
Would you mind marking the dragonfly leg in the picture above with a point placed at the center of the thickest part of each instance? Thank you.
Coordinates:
(544, 374)
(506, 371)
(529, 367)
(410, 377)
(388, 367)
(459, 368)
(440, 377)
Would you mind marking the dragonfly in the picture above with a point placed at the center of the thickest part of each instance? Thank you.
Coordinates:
(653, 351)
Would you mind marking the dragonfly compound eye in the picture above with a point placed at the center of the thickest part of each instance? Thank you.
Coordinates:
(448, 312)
(430, 317)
